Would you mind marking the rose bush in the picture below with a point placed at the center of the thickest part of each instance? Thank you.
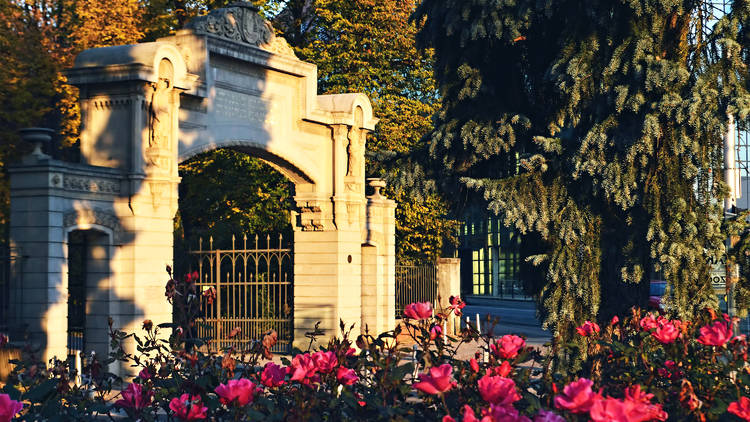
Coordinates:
(642, 367)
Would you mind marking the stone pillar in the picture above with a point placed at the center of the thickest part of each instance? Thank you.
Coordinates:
(325, 265)
(379, 262)
(49, 199)
(449, 284)
(36, 232)
(129, 116)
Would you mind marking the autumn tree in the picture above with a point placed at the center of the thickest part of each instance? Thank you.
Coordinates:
(595, 130)
(369, 46)
(39, 40)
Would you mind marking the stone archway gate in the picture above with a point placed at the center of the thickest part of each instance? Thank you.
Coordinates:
(223, 81)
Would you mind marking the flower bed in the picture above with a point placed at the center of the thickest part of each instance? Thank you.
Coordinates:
(640, 368)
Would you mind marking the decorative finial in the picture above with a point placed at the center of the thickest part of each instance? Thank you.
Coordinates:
(39, 136)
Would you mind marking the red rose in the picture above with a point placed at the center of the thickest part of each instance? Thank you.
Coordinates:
(740, 408)
(507, 346)
(436, 381)
(588, 329)
(498, 390)
(716, 334)
(418, 310)
(666, 333)
(577, 397)
(346, 376)
(188, 408)
(273, 375)
(239, 392)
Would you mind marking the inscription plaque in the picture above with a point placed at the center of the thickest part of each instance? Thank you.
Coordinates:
(237, 106)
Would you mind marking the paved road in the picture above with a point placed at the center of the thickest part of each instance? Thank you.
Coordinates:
(514, 317)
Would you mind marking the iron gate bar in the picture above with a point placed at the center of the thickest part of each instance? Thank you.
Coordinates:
(9, 257)
(415, 283)
(255, 294)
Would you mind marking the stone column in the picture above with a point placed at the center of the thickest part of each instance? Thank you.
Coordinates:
(449, 284)
(129, 115)
(379, 262)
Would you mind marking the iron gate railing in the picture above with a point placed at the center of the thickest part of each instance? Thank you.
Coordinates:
(8, 259)
(254, 292)
(415, 283)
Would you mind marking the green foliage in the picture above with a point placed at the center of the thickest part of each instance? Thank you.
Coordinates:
(225, 193)
(594, 129)
(359, 46)
(423, 228)
(39, 39)
(369, 46)
(642, 368)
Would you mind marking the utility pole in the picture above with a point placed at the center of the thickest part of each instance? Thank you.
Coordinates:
(732, 178)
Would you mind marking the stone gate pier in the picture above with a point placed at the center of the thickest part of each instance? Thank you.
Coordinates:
(225, 81)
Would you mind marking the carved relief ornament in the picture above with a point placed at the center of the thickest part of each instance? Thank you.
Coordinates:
(241, 22)
(96, 217)
(310, 216)
(88, 184)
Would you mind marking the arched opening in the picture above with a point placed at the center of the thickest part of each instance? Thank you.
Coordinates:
(88, 275)
(233, 228)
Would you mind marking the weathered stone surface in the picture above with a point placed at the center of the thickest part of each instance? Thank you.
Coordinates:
(223, 82)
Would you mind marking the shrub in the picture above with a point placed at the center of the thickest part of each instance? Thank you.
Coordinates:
(640, 368)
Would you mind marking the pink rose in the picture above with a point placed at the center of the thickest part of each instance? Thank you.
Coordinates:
(498, 390)
(717, 334)
(134, 398)
(610, 410)
(325, 361)
(639, 406)
(577, 397)
(418, 310)
(456, 304)
(588, 329)
(507, 346)
(144, 374)
(545, 416)
(346, 376)
(474, 365)
(503, 370)
(636, 406)
(740, 408)
(435, 332)
(8, 408)
(468, 413)
(239, 392)
(648, 322)
(303, 369)
(666, 333)
(273, 375)
(615, 320)
(498, 413)
(188, 408)
(436, 381)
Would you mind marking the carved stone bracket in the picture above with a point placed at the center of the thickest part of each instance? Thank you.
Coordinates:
(241, 22)
(160, 193)
(310, 216)
(95, 216)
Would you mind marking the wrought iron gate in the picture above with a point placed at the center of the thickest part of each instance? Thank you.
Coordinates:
(8, 259)
(77, 274)
(415, 283)
(254, 292)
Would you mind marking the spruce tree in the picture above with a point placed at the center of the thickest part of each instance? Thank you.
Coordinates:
(595, 130)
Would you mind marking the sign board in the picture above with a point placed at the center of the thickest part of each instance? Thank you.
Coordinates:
(718, 274)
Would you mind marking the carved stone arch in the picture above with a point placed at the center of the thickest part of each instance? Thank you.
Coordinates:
(290, 170)
(85, 218)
